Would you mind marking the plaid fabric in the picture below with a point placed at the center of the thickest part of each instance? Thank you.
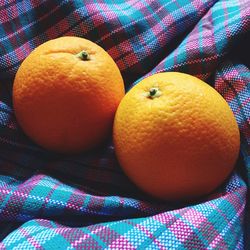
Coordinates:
(51, 201)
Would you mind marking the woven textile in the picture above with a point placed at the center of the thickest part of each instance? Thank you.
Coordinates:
(85, 201)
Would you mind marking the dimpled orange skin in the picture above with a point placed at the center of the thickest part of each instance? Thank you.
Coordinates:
(64, 103)
(178, 146)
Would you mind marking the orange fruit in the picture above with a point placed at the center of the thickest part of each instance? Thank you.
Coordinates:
(65, 94)
(175, 136)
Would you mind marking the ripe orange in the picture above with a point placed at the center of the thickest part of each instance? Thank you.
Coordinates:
(66, 93)
(175, 136)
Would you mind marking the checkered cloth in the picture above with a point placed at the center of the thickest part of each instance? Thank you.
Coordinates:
(50, 201)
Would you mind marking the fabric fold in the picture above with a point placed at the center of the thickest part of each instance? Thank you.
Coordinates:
(85, 201)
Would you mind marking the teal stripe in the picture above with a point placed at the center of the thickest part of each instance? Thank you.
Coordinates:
(182, 55)
(197, 231)
(16, 237)
(56, 242)
(219, 16)
(35, 199)
(120, 227)
(86, 202)
(94, 236)
(200, 45)
(57, 202)
(162, 229)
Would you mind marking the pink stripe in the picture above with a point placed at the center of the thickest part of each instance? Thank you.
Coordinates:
(31, 240)
(84, 236)
(228, 32)
(194, 217)
(242, 105)
(165, 218)
(181, 230)
(14, 34)
(76, 200)
(221, 85)
(33, 181)
(193, 61)
(219, 238)
(198, 4)
(14, 12)
(121, 28)
(2, 247)
(157, 30)
(47, 198)
(151, 236)
(121, 243)
(225, 218)
(18, 197)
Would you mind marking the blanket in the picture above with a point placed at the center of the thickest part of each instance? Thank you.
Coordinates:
(85, 201)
